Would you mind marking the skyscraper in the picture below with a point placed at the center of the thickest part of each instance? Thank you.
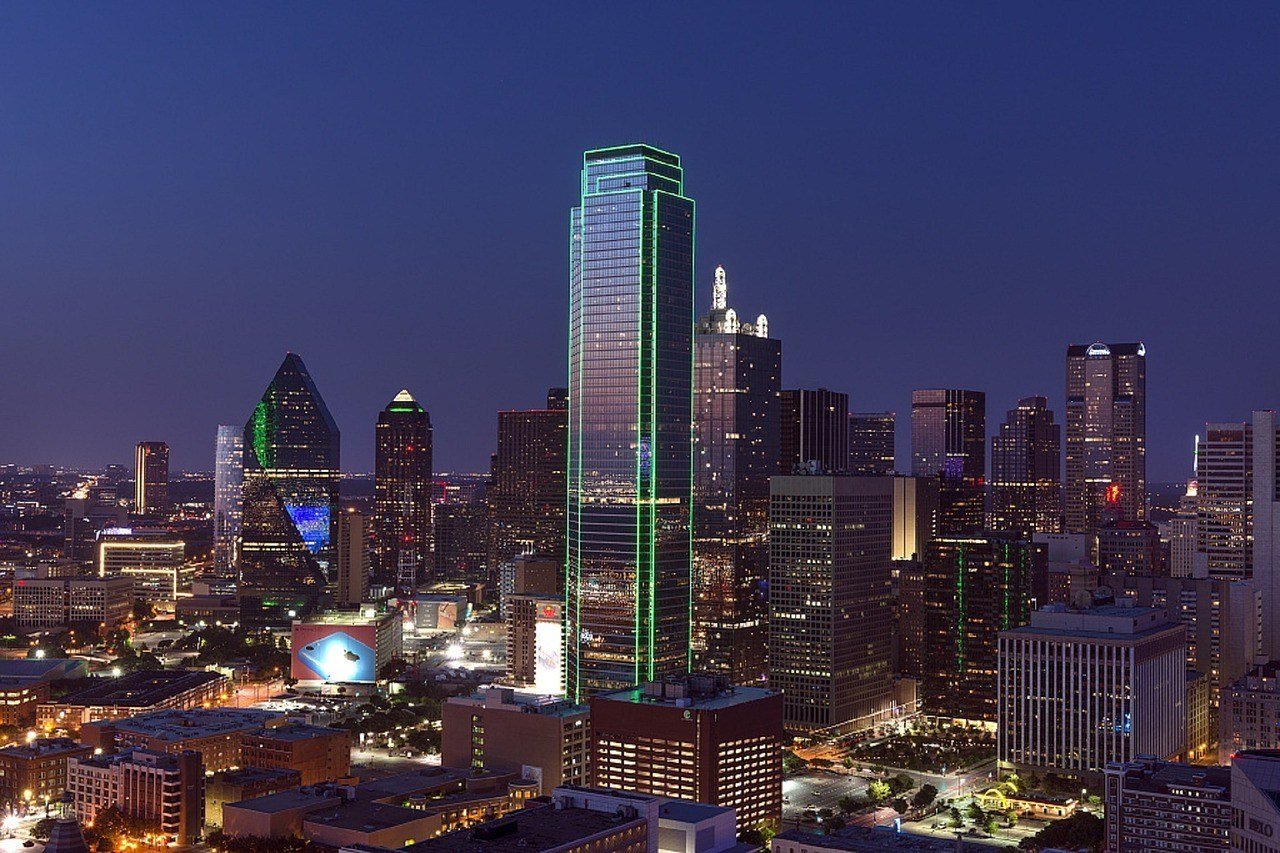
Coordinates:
(815, 428)
(974, 588)
(1238, 509)
(151, 478)
(630, 416)
(1026, 457)
(830, 612)
(526, 492)
(353, 558)
(228, 485)
(871, 439)
(402, 492)
(1106, 435)
(291, 476)
(737, 376)
(949, 441)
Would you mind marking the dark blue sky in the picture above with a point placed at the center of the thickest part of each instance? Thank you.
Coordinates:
(940, 195)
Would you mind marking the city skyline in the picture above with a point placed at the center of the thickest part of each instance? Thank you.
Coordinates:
(1129, 187)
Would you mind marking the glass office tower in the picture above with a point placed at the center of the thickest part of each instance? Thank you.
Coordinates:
(402, 492)
(627, 584)
(228, 476)
(290, 506)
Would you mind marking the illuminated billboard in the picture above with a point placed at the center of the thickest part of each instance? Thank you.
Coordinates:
(548, 636)
(335, 653)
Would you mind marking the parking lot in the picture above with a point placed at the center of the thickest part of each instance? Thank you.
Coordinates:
(817, 789)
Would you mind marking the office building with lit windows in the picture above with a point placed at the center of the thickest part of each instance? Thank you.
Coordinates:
(830, 610)
(526, 494)
(228, 492)
(151, 478)
(353, 558)
(1162, 805)
(871, 442)
(1025, 490)
(500, 730)
(1106, 441)
(737, 376)
(815, 430)
(627, 595)
(693, 737)
(1081, 688)
(154, 560)
(949, 441)
(974, 587)
(290, 509)
(402, 489)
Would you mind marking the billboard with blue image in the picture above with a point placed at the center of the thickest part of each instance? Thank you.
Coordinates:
(334, 653)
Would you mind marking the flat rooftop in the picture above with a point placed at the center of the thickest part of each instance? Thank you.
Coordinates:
(529, 830)
(44, 746)
(694, 701)
(249, 775)
(172, 726)
(142, 688)
(1159, 776)
(690, 812)
(297, 732)
(365, 816)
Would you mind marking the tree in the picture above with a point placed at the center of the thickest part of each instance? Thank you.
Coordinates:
(1081, 830)
(975, 811)
(143, 610)
(957, 819)
(926, 795)
(899, 805)
(902, 782)
(878, 792)
(990, 823)
(849, 805)
(42, 828)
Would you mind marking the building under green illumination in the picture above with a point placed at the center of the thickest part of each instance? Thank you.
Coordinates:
(627, 608)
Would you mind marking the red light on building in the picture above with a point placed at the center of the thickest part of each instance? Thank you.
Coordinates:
(1113, 493)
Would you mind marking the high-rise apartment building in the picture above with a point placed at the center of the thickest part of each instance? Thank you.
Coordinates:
(830, 614)
(1106, 435)
(627, 595)
(353, 558)
(526, 493)
(815, 429)
(1079, 689)
(402, 492)
(1180, 533)
(693, 737)
(535, 641)
(974, 588)
(228, 492)
(1025, 489)
(151, 478)
(290, 509)
(949, 441)
(164, 790)
(871, 442)
(459, 536)
(1168, 806)
(737, 376)
(1249, 713)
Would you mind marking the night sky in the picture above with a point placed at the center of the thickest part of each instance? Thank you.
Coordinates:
(944, 195)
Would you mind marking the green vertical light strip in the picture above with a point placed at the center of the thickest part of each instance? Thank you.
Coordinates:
(693, 349)
(637, 603)
(572, 617)
(961, 621)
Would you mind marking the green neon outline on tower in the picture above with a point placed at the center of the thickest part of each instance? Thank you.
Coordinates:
(627, 555)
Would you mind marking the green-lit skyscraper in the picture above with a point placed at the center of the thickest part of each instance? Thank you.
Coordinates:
(627, 584)
(291, 473)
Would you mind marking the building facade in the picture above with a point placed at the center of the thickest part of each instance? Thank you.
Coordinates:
(290, 500)
(973, 588)
(402, 488)
(352, 585)
(163, 789)
(35, 774)
(228, 493)
(830, 613)
(737, 430)
(815, 430)
(151, 478)
(61, 602)
(693, 738)
(1162, 805)
(627, 595)
(949, 442)
(526, 493)
(871, 442)
(1079, 689)
(500, 730)
(1025, 492)
(1106, 446)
